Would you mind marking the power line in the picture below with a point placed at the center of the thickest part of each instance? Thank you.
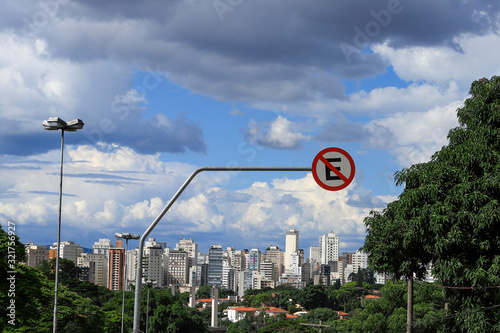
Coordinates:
(456, 315)
(453, 287)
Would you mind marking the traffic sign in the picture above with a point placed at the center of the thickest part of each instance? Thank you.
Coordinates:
(333, 169)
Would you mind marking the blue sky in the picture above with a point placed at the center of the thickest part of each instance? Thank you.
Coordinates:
(167, 87)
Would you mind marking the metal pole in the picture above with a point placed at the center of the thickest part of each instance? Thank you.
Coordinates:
(409, 313)
(124, 283)
(147, 312)
(138, 277)
(56, 287)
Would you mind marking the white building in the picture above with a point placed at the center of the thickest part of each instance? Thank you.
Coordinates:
(153, 262)
(328, 248)
(69, 250)
(314, 256)
(229, 277)
(276, 256)
(291, 245)
(177, 268)
(99, 267)
(102, 247)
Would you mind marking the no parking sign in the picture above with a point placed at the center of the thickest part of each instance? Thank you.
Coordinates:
(333, 169)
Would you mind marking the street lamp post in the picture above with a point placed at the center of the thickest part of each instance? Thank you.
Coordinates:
(54, 124)
(125, 236)
(149, 283)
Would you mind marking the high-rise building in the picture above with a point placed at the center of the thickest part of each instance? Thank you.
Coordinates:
(98, 267)
(116, 266)
(291, 245)
(215, 259)
(35, 254)
(275, 255)
(328, 248)
(152, 262)
(267, 269)
(69, 250)
(238, 260)
(177, 268)
(228, 276)
(102, 246)
(314, 257)
(187, 245)
(254, 258)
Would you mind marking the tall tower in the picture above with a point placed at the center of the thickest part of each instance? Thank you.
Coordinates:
(215, 258)
(116, 265)
(291, 245)
(328, 248)
(275, 255)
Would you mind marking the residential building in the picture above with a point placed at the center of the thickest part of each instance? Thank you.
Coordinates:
(152, 262)
(276, 256)
(215, 259)
(229, 277)
(314, 257)
(97, 265)
(68, 250)
(190, 247)
(328, 248)
(102, 246)
(291, 245)
(116, 266)
(177, 268)
(35, 254)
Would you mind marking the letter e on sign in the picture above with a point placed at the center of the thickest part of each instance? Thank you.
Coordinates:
(333, 169)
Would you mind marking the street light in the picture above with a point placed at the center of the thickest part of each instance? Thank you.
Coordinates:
(149, 283)
(125, 236)
(54, 124)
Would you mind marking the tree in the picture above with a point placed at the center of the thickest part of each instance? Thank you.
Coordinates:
(320, 314)
(449, 214)
(359, 278)
(313, 296)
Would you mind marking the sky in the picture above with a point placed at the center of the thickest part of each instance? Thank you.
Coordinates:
(167, 87)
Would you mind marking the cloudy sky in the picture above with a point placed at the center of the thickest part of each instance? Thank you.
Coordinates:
(166, 87)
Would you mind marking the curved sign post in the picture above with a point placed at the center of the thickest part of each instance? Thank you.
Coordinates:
(333, 169)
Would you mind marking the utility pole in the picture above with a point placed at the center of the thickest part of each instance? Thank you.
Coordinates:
(316, 325)
(409, 313)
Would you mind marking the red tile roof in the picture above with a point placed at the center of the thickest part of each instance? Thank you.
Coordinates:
(244, 309)
(204, 300)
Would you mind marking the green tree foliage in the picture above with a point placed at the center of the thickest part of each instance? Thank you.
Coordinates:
(204, 292)
(242, 326)
(388, 313)
(320, 314)
(346, 298)
(176, 318)
(449, 214)
(313, 296)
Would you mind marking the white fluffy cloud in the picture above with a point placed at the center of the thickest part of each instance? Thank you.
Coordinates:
(111, 187)
(279, 134)
(472, 57)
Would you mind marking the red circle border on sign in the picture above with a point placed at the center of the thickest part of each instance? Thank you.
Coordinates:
(315, 175)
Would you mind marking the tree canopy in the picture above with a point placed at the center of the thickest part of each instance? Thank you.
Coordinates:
(448, 213)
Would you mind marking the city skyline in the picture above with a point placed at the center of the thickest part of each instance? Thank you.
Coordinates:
(133, 244)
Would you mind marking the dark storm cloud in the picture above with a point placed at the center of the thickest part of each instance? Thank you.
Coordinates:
(256, 51)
